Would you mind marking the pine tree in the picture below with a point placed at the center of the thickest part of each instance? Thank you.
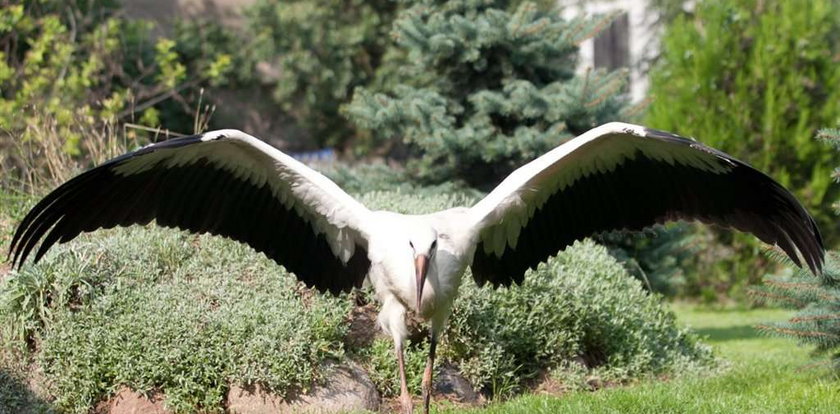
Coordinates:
(322, 50)
(818, 299)
(492, 85)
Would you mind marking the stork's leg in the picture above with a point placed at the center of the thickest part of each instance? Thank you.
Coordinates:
(405, 397)
(427, 374)
(436, 326)
(392, 320)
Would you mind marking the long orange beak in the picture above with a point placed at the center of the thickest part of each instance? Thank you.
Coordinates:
(420, 267)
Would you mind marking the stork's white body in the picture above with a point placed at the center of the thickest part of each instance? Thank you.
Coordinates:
(230, 183)
(392, 269)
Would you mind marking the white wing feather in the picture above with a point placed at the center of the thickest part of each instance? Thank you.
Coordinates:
(502, 214)
(328, 209)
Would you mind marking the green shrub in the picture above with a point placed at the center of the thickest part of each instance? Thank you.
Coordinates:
(420, 200)
(581, 305)
(364, 178)
(159, 310)
(69, 69)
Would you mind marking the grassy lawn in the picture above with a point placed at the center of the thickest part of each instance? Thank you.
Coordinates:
(764, 376)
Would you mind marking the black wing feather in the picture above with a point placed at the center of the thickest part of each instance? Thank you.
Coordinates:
(198, 197)
(642, 192)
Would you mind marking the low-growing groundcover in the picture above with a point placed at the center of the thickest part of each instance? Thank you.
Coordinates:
(164, 311)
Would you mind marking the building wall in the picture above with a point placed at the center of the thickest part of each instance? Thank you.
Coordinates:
(642, 41)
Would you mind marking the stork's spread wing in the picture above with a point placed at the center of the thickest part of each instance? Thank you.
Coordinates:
(622, 176)
(222, 182)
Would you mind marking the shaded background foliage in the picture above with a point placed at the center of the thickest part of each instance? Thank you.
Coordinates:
(69, 68)
(463, 91)
(321, 50)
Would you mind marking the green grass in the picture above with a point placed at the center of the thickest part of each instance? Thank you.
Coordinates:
(765, 375)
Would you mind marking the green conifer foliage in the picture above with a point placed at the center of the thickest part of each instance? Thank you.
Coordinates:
(818, 301)
(492, 86)
(757, 79)
(321, 49)
(817, 298)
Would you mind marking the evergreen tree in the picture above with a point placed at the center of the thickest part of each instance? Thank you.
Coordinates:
(492, 85)
(818, 299)
(756, 79)
(322, 49)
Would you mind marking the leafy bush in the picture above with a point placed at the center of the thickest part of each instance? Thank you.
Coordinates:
(420, 200)
(487, 87)
(76, 67)
(580, 305)
(159, 310)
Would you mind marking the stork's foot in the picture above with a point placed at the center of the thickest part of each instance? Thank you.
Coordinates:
(406, 404)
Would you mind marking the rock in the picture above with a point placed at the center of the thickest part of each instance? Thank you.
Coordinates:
(449, 383)
(363, 327)
(254, 400)
(131, 402)
(347, 388)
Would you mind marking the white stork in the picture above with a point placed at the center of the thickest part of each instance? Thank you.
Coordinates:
(616, 176)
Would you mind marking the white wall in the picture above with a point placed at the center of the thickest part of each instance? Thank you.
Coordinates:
(642, 40)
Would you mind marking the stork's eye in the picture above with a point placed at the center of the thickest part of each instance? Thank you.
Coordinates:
(411, 244)
(434, 244)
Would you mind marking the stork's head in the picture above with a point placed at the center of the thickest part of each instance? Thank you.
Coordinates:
(423, 243)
